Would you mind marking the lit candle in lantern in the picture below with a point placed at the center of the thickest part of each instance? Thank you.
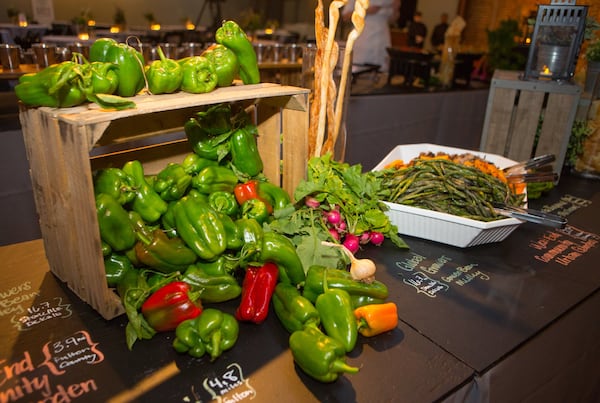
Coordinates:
(155, 26)
(83, 36)
(115, 29)
(545, 71)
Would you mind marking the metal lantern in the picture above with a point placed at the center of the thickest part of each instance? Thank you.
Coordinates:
(556, 40)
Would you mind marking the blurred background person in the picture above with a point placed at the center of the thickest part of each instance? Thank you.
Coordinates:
(439, 32)
(370, 47)
(417, 31)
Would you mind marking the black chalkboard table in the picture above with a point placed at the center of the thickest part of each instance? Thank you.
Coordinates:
(506, 322)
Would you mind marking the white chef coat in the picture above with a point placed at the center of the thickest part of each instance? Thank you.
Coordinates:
(370, 47)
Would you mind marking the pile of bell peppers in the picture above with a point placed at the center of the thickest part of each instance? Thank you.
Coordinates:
(116, 71)
(196, 234)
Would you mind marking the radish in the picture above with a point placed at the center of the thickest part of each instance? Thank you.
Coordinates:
(377, 238)
(360, 269)
(333, 217)
(365, 237)
(334, 234)
(351, 243)
(312, 202)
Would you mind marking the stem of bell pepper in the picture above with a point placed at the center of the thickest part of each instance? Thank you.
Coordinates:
(376, 319)
(170, 305)
(257, 290)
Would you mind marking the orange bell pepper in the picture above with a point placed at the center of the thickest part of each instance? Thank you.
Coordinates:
(375, 319)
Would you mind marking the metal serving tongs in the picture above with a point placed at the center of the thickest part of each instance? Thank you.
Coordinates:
(527, 171)
(531, 215)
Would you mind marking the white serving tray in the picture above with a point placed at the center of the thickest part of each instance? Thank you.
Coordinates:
(443, 227)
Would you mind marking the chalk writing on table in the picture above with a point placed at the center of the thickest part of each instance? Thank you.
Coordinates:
(563, 246)
(70, 351)
(23, 379)
(230, 386)
(431, 276)
(14, 300)
(42, 312)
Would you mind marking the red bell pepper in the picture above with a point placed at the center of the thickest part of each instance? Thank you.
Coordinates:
(170, 305)
(257, 290)
(248, 191)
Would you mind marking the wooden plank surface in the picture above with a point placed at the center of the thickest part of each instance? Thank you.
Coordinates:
(526, 120)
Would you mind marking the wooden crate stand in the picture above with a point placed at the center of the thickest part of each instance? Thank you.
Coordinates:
(62, 149)
(516, 107)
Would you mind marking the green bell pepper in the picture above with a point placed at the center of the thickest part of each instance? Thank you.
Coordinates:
(223, 202)
(57, 85)
(130, 64)
(225, 62)
(209, 131)
(234, 240)
(100, 47)
(116, 266)
(165, 254)
(293, 310)
(200, 227)
(115, 182)
(255, 209)
(104, 78)
(250, 230)
(215, 179)
(115, 228)
(165, 75)
(339, 279)
(280, 250)
(337, 316)
(362, 300)
(147, 202)
(244, 151)
(212, 332)
(232, 36)
(167, 221)
(213, 280)
(193, 163)
(275, 195)
(199, 75)
(318, 355)
(172, 182)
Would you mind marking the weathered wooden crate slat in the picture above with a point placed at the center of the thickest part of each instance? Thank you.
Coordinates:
(64, 146)
(515, 110)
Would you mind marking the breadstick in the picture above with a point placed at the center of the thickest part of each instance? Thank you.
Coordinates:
(334, 16)
(358, 20)
(331, 95)
(320, 37)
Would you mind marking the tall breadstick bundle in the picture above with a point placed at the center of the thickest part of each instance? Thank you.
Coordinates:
(327, 105)
(327, 71)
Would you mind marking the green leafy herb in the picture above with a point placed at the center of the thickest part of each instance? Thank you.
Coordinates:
(346, 187)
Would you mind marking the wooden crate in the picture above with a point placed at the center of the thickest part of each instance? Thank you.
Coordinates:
(65, 145)
(516, 107)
